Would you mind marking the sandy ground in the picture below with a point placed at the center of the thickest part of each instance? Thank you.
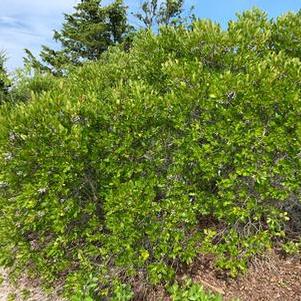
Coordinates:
(24, 291)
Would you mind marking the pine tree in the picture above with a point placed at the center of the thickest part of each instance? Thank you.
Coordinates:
(155, 13)
(85, 35)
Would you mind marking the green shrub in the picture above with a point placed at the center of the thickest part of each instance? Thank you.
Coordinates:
(5, 81)
(26, 85)
(189, 143)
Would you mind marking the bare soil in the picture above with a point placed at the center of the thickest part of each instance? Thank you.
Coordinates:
(270, 278)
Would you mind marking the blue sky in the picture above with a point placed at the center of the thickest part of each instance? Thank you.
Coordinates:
(30, 23)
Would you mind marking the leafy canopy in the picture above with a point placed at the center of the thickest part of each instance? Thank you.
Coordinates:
(188, 143)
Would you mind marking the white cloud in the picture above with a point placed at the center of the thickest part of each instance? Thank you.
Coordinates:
(29, 24)
(35, 7)
(11, 22)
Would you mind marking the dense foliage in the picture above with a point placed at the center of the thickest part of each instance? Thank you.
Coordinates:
(4, 79)
(129, 167)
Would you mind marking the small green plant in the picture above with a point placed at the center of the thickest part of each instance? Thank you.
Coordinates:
(291, 247)
(25, 294)
(122, 292)
(11, 297)
(190, 291)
